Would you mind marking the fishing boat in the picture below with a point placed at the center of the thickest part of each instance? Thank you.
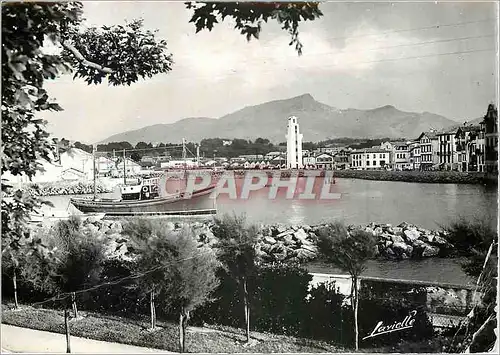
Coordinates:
(149, 197)
(140, 200)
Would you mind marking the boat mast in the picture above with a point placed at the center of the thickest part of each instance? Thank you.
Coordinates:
(184, 159)
(184, 152)
(95, 171)
(198, 155)
(124, 170)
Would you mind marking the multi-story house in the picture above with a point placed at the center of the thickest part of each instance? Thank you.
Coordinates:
(341, 159)
(414, 152)
(309, 161)
(490, 127)
(400, 155)
(429, 146)
(447, 152)
(324, 161)
(469, 153)
(369, 159)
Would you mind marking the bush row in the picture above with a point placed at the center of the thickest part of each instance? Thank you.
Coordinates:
(282, 302)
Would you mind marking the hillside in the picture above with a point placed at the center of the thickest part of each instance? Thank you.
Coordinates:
(318, 121)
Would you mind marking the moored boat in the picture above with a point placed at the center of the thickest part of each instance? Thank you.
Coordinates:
(144, 200)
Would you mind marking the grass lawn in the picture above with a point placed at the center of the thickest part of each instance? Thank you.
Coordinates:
(135, 332)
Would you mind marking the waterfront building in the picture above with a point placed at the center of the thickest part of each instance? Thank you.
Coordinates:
(131, 167)
(251, 157)
(309, 161)
(369, 159)
(414, 153)
(429, 146)
(400, 155)
(272, 155)
(79, 160)
(293, 144)
(324, 161)
(490, 128)
(341, 160)
(447, 153)
(72, 174)
(105, 165)
(470, 152)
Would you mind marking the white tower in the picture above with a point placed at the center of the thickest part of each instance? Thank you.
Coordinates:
(293, 145)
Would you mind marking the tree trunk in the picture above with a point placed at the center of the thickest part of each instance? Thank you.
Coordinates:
(355, 307)
(66, 325)
(247, 309)
(183, 321)
(181, 333)
(73, 302)
(153, 309)
(14, 281)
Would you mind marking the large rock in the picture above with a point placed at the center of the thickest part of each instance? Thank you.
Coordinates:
(428, 238)
(280, 229)
(385, 236)
(269, 240)
(285, 233)
(300, 234)
(397, 239)
(399, 246)
(378, 231)
(397, 230)
(289, 240)
(430, 251)
(411, 235)
(439, 241)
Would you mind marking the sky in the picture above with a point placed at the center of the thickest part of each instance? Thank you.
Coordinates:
(427, 56)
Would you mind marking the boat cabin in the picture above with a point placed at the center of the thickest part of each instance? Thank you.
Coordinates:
(147, 189)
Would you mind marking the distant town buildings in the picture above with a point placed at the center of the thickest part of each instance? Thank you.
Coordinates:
(429, 146)
(370, 159)
(490, 128)
(294, 145)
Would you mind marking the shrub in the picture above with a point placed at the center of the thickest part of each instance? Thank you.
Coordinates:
(327, 318)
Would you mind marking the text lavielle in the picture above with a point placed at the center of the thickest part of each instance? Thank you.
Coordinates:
(380, 328)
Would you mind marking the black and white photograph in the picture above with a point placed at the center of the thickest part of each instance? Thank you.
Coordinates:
(249, 177)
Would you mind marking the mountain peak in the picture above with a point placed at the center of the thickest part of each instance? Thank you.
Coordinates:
(303, 97)
(386, 107)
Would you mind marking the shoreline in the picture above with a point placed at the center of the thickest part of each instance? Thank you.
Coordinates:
(432, 177)
(63, 188)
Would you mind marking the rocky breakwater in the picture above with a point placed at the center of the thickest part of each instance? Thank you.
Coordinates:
(298, 244)
(278, 243)
(407, 241)
(67, 188)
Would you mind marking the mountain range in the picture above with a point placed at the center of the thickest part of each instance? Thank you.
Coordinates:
(317, 120)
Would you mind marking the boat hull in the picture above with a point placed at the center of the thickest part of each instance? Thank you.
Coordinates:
(200, 202)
